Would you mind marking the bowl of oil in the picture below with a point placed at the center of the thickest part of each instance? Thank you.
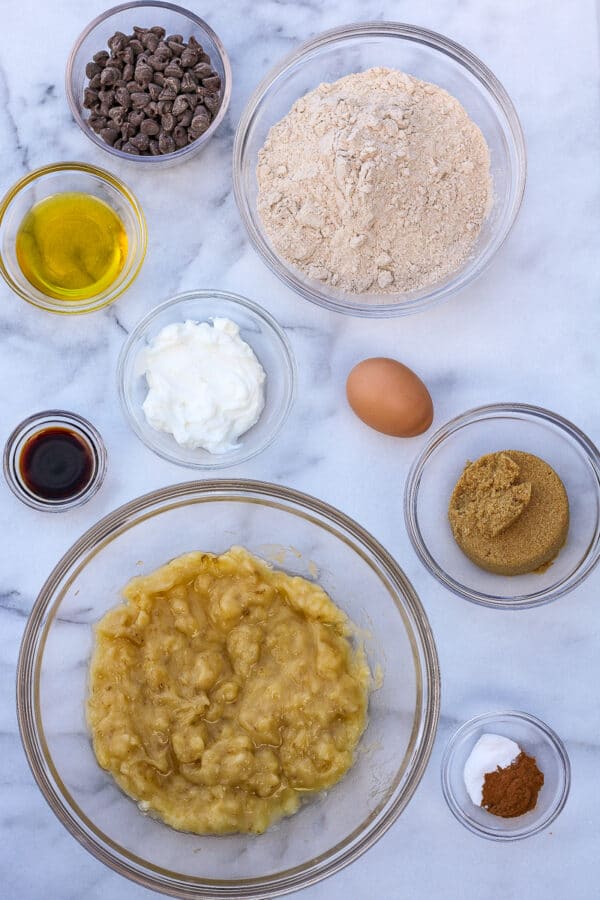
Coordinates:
(72, 238)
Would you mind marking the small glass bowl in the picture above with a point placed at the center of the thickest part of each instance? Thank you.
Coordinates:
(534, 738)
(428, 56)
(176, 20)
(504, 426)
(53, 418)
(257, 328)
(64, 178)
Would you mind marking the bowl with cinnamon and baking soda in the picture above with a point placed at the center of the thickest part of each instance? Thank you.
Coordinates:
(505, 775)
(502, 506)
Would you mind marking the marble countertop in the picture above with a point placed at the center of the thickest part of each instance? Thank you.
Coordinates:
(526, 331)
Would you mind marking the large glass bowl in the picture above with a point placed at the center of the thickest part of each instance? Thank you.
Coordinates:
(428, 56)
(303, 536)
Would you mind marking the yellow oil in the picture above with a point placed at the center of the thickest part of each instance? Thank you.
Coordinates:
(71, 246)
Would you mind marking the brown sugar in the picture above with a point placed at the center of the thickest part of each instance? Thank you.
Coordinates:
(514, 790)
(509, 512)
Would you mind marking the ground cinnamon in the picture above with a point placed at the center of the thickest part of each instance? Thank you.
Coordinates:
(514, 790)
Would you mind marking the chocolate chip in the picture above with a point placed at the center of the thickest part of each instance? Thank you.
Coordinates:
(150, 41)
(189, 83)
(129, 148)
(166, 144)
(136, 117)
(109, 135)
(154, 90)
(127, 131)
(203, 70)
(143, 73)
(212, 84)
(154, 148)
(141, 142)
(180, 105)
(212, 102)
(92, 69)
(90, 98)
(101, 58)
(139, 99)
(173, 69)
(180, 136)
(95, 82)
(200, 122)
(123, 97)
(117, 42)
(118, 114)
(189, 58)
(149, 127)
(167, 122)
(185, 118)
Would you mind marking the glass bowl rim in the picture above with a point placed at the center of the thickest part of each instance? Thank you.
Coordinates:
(523, 411)
(276, 332)
(91, 304)
(29, 666)
(59, 417)
(183, 152)
(413, 33)
(488, 718)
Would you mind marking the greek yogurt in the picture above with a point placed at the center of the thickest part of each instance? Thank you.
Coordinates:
(205, 385)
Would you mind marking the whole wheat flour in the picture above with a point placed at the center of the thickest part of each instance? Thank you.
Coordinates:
(376, 183)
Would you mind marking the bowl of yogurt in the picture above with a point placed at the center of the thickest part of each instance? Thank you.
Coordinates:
(207, 379)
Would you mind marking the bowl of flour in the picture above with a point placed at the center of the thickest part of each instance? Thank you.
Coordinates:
(378, 169)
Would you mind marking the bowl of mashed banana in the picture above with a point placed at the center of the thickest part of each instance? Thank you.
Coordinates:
(227, 688)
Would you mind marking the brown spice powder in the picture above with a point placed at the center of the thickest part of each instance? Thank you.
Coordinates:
(514, 790)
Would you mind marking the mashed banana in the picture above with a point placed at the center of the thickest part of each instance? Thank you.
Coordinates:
(222, 692)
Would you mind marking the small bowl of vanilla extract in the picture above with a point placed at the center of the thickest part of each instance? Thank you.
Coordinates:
(54, 461)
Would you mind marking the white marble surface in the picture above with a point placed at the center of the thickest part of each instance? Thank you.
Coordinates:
(527, 331)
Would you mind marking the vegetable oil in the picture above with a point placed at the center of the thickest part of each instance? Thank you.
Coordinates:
(71, 246)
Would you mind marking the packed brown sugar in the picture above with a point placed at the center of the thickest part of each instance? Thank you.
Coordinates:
(509, 512)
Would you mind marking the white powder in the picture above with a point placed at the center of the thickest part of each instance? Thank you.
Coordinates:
(492, 751)
(376, 183)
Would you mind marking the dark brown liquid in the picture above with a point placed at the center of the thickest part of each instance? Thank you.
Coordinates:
(56, 464)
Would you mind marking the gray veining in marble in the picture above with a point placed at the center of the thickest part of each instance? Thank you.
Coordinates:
(542, 289)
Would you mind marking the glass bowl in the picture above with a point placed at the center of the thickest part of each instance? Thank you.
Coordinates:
(504, 426)
(64, 178)
(428, 56)
(176, 20)
(304, 536)
(53, 418)
(257, 328)
(536, 739)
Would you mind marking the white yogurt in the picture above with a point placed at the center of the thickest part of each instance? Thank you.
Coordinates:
(205, 385)
(490, 752)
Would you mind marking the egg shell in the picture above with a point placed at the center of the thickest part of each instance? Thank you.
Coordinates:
(389, 397)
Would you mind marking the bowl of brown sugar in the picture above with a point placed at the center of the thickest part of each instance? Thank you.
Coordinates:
(502, 506)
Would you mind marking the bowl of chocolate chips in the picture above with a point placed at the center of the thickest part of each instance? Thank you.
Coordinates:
(149, 82)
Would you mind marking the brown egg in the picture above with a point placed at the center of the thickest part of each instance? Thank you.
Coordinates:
(389, 397)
